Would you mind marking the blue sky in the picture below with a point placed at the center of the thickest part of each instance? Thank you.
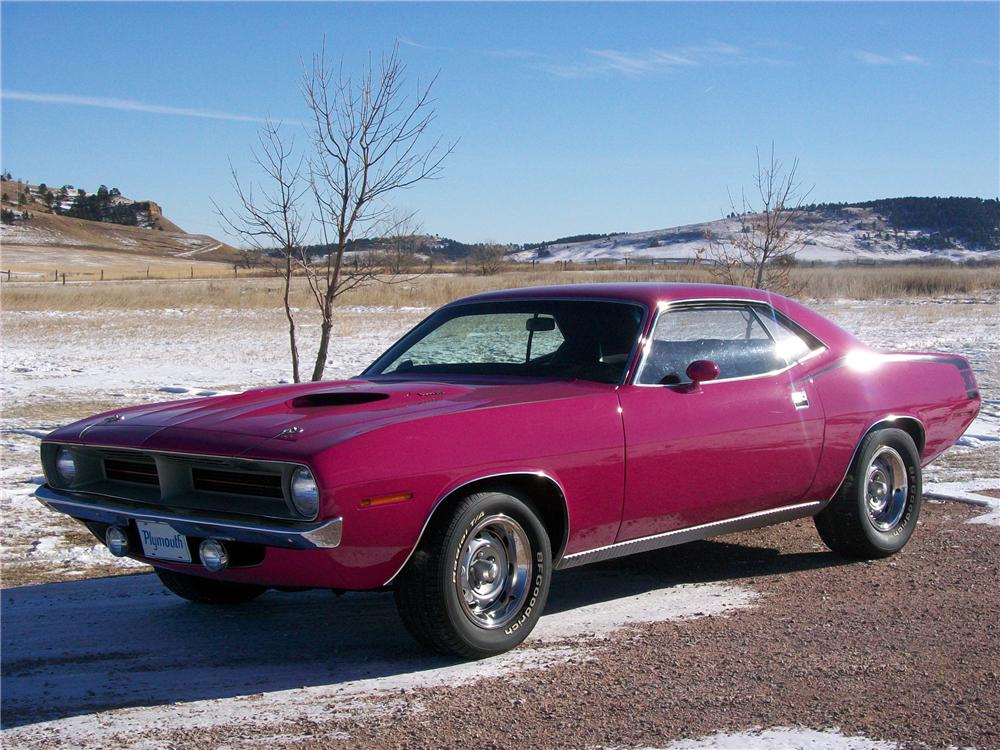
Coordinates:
(571, 117)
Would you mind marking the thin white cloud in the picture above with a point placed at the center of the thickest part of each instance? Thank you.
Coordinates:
(894, 58)
(410, 43)
(128, 105)
(513, 54)
(634, 64)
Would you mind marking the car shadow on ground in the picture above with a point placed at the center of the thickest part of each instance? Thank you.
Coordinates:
(79, 647)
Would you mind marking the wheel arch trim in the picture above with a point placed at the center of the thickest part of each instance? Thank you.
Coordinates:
(464, 484)
(889, 420)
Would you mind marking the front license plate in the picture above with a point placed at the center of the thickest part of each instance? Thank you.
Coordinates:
(163, 542)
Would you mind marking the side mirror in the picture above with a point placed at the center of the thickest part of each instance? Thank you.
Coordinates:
(702, 370)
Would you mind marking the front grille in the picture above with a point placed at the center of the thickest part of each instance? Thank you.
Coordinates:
(237, 483)
(141, 472)
(213, 485)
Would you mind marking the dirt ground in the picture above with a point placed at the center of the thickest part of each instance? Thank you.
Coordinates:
(902, 650)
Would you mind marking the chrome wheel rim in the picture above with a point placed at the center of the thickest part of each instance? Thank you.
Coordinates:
(492, 580)
(886, 489)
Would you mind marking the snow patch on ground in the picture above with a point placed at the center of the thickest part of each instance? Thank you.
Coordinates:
(184, 390)
(780, 738)
(356, 700)
(237, 668)
(985, 429)
(22, 234)
(681, 602)
(969, 492)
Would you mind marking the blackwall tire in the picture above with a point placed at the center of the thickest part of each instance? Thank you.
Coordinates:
(876, 509)
(479, 580)
(206, 590)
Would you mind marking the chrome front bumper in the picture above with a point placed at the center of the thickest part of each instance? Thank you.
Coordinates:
(83, 507)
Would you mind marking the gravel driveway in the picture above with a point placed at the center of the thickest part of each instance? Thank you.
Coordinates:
(761, 629)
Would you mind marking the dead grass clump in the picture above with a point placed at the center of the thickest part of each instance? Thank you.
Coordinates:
(433, 290)
(895, 282)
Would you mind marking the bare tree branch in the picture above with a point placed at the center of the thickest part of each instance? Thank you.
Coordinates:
(770, 231)
(268, 216)
(368, 140)
(368, 143)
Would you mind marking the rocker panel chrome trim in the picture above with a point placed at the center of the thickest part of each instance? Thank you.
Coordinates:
(691, 534)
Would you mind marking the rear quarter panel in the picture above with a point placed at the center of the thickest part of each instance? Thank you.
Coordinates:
(861, 390)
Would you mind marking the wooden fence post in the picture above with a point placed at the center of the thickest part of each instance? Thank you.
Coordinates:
(57, 276)
(192, 272)
(64, 279)
(147, 272)
(102, 274)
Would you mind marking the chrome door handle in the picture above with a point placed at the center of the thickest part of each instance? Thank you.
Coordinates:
(800, 400)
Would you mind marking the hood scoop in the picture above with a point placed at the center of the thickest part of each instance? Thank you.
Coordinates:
(336, 398)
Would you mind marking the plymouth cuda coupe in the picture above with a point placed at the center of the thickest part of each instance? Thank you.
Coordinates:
(515, 433)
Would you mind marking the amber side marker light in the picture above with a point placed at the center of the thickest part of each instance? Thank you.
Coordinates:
(371, 502)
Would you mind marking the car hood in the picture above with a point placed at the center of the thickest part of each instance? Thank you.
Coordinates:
(311, 415)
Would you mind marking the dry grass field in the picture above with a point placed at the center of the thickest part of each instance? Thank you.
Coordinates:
(435, 289)
(36, 263)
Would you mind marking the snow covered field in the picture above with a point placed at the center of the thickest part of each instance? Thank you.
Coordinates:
(835, 240)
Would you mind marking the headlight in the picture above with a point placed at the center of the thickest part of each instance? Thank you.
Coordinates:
(305, 493)
(66, 465)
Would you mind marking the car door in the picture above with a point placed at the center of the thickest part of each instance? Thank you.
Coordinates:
(747, 441)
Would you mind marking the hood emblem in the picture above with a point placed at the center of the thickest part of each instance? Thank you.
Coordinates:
(289, 432)
(107, 420)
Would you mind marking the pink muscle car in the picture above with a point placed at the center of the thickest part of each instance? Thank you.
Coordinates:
(515, 433)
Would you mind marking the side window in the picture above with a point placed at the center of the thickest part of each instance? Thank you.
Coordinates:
(789, 346)
(741, 341)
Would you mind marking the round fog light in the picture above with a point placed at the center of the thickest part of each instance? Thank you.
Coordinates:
(117, 541)
(213, 555)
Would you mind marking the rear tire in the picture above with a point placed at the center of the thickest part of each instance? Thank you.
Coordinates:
(206, 590)
(875, 511)
(478, 582)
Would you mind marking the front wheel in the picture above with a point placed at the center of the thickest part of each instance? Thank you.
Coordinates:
(875, 511)
(478, 582)
(206, 590)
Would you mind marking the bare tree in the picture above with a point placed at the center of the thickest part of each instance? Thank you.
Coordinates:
(369, 142)
(770, 231)
(270, 217)
(489, 257)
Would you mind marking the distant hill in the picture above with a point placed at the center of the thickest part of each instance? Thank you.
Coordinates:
(49, 218)
(892, 229)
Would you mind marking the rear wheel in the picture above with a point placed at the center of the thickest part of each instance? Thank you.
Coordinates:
(206, 590)
(477, 583)
(876, 509)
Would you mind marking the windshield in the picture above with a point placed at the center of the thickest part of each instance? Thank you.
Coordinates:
(589, 340)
